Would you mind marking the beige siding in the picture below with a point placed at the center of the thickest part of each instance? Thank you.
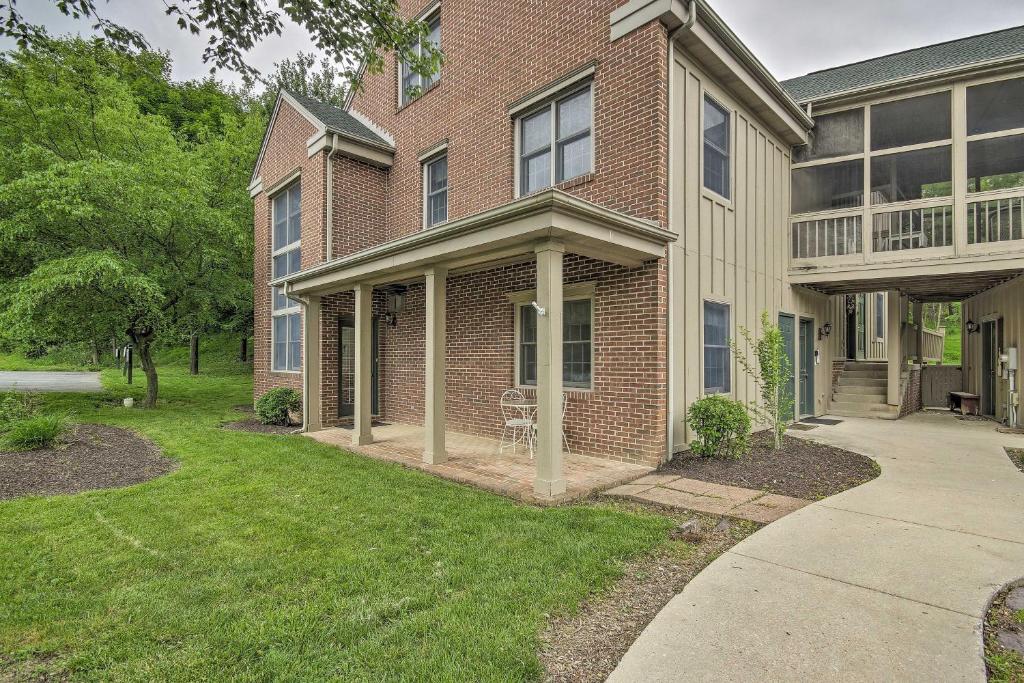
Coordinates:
(1006, 302)
(875, 338)
(731, 251)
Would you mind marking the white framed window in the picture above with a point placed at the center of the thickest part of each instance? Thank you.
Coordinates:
(879, 315)
(411, 84)
(556, 141)
(435, 191)
(716, 127)
(577, 343)
(717, 354)
(286, 317)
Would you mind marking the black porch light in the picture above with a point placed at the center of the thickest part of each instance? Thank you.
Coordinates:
(825, 330)
(971, 327)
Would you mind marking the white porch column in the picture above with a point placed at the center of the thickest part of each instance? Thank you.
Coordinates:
(362, 416)
(549, 480)
(434, 450)
(894, 344)
(311, 364)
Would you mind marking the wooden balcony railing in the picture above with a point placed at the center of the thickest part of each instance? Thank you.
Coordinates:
(995, 220)
(921, 228)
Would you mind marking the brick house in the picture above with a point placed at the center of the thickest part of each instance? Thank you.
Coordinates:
(592, 217)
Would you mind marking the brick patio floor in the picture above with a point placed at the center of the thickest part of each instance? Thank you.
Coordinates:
(715, 499)
(476, 461)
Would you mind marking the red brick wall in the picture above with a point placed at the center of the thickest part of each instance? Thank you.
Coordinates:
(496, 53)
(360, 206)
(285, 154)
(623, 417)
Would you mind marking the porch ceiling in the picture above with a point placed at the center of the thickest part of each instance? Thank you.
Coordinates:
(937, 288)
(507, 232)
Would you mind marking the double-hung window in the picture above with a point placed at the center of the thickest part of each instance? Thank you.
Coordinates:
(716, 148)
(577, 340)
(556, 141)
(412, 84)
(287, 257)
(717, 357)
(435, 191)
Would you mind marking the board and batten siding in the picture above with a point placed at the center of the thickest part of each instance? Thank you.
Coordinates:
(1007, 302)
(731, 251)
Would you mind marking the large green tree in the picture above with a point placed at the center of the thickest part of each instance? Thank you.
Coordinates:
(112, 217)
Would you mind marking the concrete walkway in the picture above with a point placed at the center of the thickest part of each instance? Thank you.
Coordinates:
(885, 582)
(49, 381)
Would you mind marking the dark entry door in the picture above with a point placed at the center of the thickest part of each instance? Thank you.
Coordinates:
(989, 349)
(806, 367)
(347, 366)
(787, 325)
(851, 326)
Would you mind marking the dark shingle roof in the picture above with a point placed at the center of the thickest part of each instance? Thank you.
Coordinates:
(922, 60)
(339, 120)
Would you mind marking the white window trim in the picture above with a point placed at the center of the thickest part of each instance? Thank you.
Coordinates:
(551, 103)
(731, 112)
(295, 307)
(425, 163)
(732, 374)
(577, 292)
(428, 15)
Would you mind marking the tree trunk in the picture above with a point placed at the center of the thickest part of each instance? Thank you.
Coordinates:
(95, 353)
(193, 354)
(143, 343)
(243, 349)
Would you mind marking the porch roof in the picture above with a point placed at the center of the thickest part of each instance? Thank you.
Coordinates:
(508, 231)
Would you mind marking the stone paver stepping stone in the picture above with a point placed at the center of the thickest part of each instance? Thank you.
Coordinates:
(1015, 599)
(708, 497)
(1011, 641)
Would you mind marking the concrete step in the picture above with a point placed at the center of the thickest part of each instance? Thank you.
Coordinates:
(874, 390)
(854, 409)
(862, 382)
(866, 374)
(866, 365)
(863, 399)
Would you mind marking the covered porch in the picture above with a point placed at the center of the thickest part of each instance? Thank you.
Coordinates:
(533, 235)
(479, 461)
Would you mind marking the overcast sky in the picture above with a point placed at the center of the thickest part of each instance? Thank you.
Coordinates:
(791, 37)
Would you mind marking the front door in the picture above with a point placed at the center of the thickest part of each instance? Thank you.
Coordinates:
(862, 327)
(787, 326)
(347, 366)
(806, 367)
(851, 326)
(989, 351)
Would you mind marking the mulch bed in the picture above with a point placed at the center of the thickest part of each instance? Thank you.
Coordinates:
(1004, 635)
(1016, 457)
(92, 457)
(801, 469)
(253, 425)
(587, 646)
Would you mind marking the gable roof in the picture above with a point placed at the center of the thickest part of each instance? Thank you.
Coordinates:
(953, 54)
(337, 120)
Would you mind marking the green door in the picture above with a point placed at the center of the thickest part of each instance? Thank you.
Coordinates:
(806, 367)
(787, 325)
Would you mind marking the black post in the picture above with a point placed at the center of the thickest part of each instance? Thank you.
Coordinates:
(128, 361)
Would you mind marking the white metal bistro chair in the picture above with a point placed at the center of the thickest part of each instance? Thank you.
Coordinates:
(565, 440)
(518, 423)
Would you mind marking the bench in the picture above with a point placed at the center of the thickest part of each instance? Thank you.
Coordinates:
(967, 403)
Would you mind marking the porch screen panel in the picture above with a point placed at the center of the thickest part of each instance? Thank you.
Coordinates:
(834, 135)
(995, 106)
(828, 187)
(905, 176)
(911, 121)
(995, 163)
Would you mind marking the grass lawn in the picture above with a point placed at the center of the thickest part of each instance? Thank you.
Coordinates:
(267, 557)
(951, 352)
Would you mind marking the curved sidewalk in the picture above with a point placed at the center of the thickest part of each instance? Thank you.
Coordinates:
(887, 581)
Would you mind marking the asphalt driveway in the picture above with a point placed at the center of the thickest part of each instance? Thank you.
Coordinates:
(28, 381)
(887, 581)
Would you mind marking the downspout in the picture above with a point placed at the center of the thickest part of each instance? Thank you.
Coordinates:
(671, 362)
(330, 197)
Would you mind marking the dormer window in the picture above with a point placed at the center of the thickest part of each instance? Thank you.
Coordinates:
(412, 84)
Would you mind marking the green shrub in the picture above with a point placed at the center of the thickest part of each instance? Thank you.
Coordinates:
(15, 407)
(722, 426)
(39, 431)
(272, 407)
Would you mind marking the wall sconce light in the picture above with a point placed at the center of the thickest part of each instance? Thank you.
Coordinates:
(395, 304)
(824, 331)
(971, 327)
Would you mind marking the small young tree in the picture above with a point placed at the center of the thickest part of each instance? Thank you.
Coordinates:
(771, 376)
